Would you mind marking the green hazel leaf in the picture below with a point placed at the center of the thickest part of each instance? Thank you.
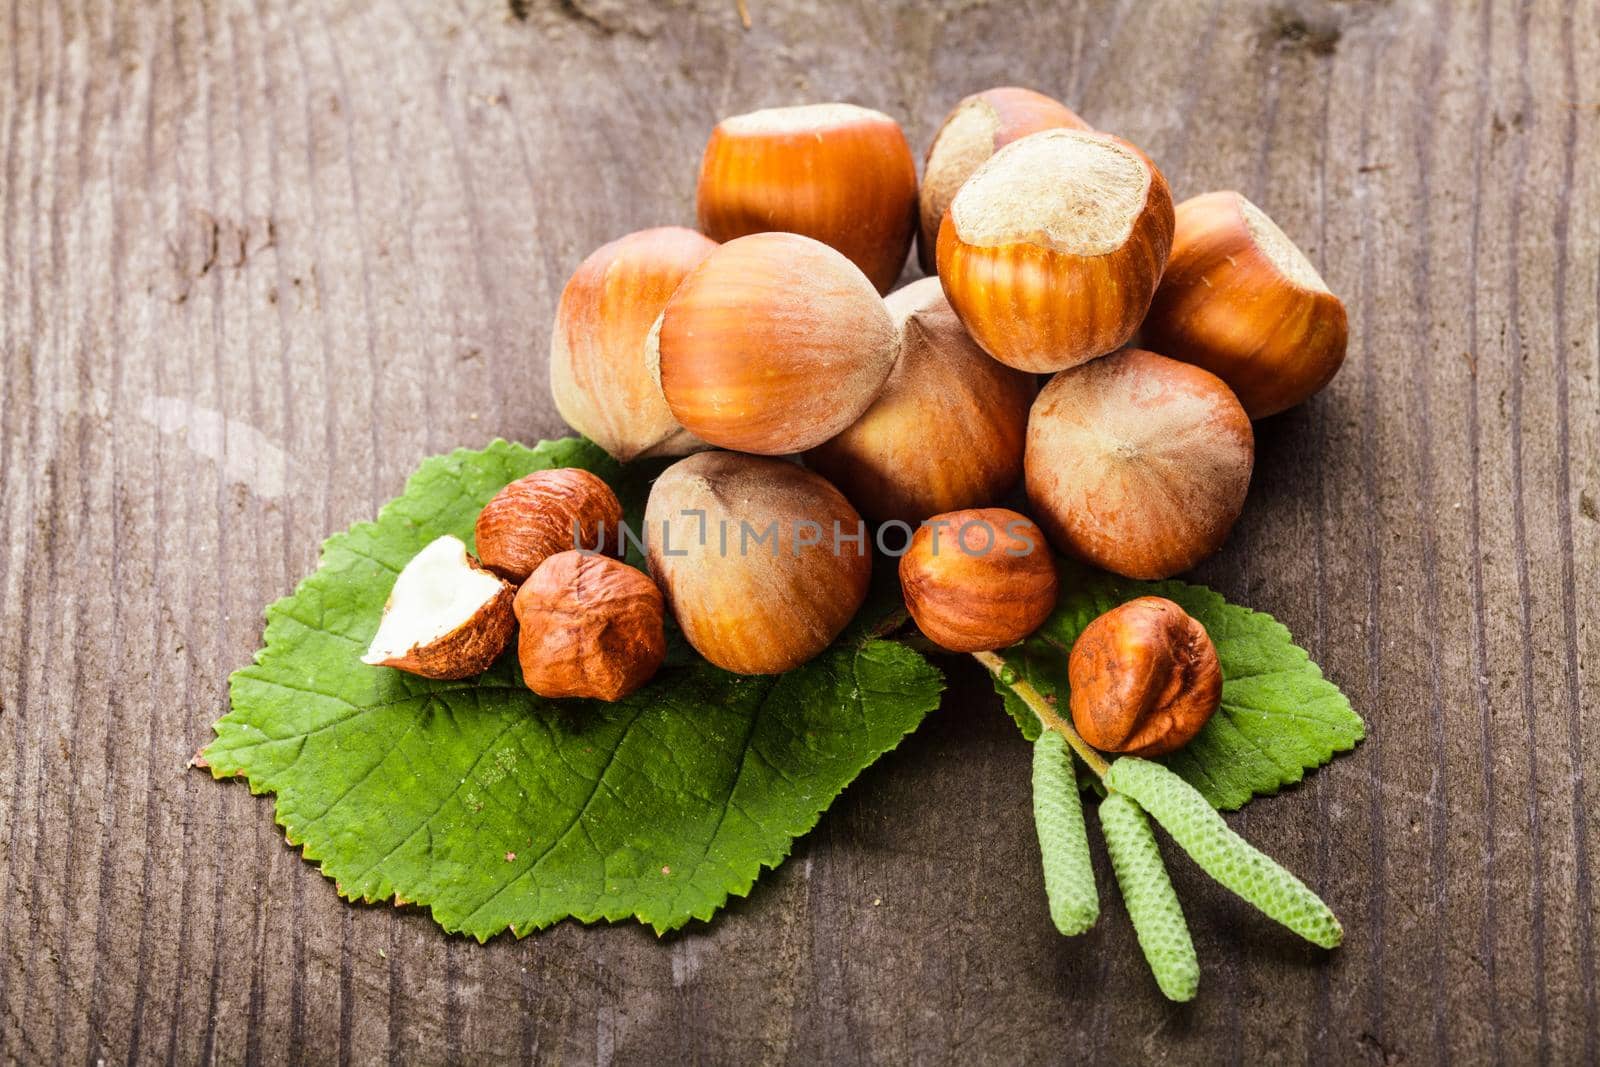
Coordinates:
(1149, 897)
(1223, 854)
(1063, 838)
(497, 809)
(1279, 716)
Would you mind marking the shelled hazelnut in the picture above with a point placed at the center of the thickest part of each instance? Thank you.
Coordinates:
(590, 626)
(446, 617)
(978, 580)
(1145, 678)
(543, 513)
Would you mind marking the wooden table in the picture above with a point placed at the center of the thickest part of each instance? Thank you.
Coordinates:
(257, 259)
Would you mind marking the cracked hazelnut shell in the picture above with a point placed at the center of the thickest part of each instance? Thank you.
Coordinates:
(1145, 679)
(772, 345)
(979, 579)
(750, 603)
(601, 383)
(947, 430)
(590, 626)
(839, 173)
(1138, 463)
(1051, 251)
(1241, 300)
(976, 128)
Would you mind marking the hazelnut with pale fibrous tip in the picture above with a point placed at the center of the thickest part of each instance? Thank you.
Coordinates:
(1138, 463)
(446, 616)
(598, 375)
(978, 580)
(1241, 300)
(543, 513)
(772, 345)
(591, 626)
(1052, 249)
(762, 562)
(835, 172)
(1145, 679)
(895, 461)
(977, 128)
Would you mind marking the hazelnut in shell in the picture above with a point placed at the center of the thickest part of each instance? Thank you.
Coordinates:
(446, 616)
(763, 563)
(978, 127)
(1145, 679)
(1240, 299)
(772, 345)
(598, 375)
(543, 513)
(591, 626)
(1138, 463)
(947, 430)
(1051, 251)
(978, 580)
(836, 172)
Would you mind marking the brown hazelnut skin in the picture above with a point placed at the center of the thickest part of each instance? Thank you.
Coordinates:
(772, 345)
(836, 172)
(976, 128)
(540, 514)
(750, 601)
(601, 383)
(590, 626)
(979, 579)
(1051, 251)
(1138, 463)
(1239, 299)
(1145, 679)
(467, 650)
(947, 430)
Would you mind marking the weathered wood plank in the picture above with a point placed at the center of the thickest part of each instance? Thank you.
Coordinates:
(258, 259)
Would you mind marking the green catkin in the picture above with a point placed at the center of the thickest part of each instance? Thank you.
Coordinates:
(1223, 854)
(1147, 892)
(1063, 838)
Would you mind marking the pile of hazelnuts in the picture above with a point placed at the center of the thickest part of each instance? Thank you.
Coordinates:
(807, 403)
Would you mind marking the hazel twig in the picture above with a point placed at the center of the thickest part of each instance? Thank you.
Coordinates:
(1043, 711)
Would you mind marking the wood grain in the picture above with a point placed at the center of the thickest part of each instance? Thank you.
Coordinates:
(259, 258)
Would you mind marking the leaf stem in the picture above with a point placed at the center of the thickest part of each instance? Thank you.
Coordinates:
(1042, 710)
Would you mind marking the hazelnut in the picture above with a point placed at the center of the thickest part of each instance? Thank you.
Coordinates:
(762, 562)
(1242, 301)
(446, 616)
(591, 626)
(978, 127)
(978, 580)
(1144, 677)
(1052, 249)
(543, 513)
(598, 375)
(895, 462)
(1138, 463)
(836, 172)
(772, 345)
